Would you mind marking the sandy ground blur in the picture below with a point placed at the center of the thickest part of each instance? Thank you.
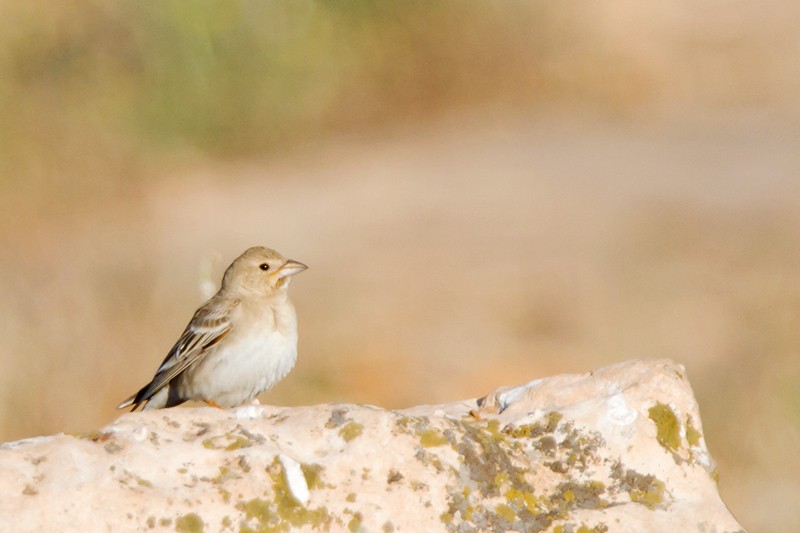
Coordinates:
(445, 260)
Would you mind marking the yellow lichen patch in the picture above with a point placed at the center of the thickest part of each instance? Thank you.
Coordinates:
(501, 479)
(667, 426)
(506, 512)
(258, 509)
(651, 494)
(645, 489)
(355, 523)
(351, 430)
(522, 499)
(431, 437)
(189, 523)
(239, 442)
(548, 424)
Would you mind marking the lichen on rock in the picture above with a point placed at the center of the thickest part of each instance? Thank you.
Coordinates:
(617, 449)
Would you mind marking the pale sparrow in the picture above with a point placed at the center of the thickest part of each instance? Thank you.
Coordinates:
(239, 343)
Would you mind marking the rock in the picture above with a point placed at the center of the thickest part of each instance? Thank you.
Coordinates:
(617, 449)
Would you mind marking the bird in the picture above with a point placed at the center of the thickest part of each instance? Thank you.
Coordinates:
(238, 344)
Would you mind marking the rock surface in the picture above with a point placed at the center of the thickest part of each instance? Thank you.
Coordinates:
(617, 449)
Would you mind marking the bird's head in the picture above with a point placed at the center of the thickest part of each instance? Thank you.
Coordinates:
(262, 271)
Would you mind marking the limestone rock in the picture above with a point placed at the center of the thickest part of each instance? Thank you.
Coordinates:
(617, 449)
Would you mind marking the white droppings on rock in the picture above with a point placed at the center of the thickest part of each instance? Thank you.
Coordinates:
(509, 396)
(140, 433)
(249, 412)
(619, 412)
(295, 479)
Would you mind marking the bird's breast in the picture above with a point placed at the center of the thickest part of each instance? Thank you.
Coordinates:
(250, 361)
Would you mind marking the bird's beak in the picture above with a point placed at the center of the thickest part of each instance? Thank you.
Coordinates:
(290, 268)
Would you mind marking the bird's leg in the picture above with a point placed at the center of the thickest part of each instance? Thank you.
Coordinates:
(212, 403)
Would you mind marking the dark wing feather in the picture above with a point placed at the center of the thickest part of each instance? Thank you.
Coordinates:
(209, 325)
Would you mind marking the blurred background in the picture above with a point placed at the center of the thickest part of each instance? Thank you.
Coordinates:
(486, 193)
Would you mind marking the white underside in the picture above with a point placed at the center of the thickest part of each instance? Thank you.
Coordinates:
(241, 368)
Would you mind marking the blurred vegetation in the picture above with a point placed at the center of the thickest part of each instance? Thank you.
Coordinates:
(93, 91)
(97, 86)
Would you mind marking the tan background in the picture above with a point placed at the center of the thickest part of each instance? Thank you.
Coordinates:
(485, 194)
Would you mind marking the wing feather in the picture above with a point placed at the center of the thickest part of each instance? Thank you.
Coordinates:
(209, 325)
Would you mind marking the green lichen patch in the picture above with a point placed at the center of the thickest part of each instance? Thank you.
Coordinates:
(547, 425)
(225, 473)
(128, 478)
(228, 442)
(573, 495)
(288, 509)
(668, 426)
(496, 467)
(143, 482)
(651, 495)
(239, 442)
(258, 510)
(493, 489)
(189, 523)
(313, 474)
(351, 430)
(281, 511)
(693, 436)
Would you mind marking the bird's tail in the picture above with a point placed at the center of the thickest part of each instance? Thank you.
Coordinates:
(127, 403)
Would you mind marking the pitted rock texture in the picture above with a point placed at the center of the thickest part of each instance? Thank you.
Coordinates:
(617, 449)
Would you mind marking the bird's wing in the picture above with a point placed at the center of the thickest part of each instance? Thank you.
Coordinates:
(209, 325)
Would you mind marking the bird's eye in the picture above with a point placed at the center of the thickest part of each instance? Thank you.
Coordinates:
(264, 266)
